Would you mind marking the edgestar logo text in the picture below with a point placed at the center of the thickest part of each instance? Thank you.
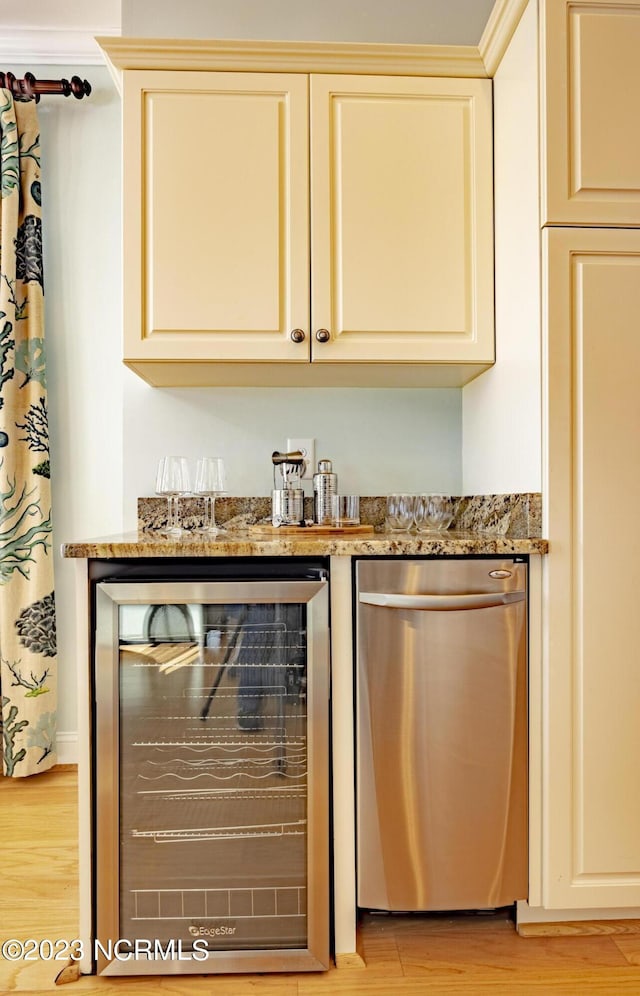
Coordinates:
(210, 930)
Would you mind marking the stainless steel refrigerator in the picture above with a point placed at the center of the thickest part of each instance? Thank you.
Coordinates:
(211, 816)
(441, 733)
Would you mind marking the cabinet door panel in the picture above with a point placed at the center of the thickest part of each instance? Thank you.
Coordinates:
(217, 199)
(593, 572)
(591, 163)
(401, 202)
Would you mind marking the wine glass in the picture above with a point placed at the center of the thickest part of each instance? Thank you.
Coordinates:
(173, 481)
(210, 482)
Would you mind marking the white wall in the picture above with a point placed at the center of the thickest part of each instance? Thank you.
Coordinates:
(379, 440)
(434, 22)
(55, 33)
(61, 15)
(502, 408)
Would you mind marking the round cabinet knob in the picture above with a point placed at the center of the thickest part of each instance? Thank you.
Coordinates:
(297, 335)
(323, 335)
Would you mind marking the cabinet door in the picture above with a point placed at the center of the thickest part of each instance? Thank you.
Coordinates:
(216, 256)
(591, 103)
(592, 793)
(401, 219)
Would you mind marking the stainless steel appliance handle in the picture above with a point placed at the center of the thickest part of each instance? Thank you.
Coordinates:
(439, 603)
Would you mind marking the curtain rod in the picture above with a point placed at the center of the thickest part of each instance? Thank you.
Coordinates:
(30, 88)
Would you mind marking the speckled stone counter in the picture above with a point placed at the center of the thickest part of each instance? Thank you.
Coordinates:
(242, 543)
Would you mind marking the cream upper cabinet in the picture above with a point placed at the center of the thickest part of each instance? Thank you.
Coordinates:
(246, 264)
(592, 806)
(590, 109)
(216, 193)
(401, 219)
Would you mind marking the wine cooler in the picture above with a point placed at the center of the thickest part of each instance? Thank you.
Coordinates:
(211, 814)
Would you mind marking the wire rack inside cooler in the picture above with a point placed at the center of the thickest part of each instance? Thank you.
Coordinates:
(283, 829)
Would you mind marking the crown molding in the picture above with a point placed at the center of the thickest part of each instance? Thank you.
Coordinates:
(52, 46)
(304, 57)
(503, 21)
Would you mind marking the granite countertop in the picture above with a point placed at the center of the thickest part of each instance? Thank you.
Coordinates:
(490, 524)
(242, 543)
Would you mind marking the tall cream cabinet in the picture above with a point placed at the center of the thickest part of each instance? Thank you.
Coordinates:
(590, 107)
(291, 228)
(592, 280)
(590, 168)
(583, 287)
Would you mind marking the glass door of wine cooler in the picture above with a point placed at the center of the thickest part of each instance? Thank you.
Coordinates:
(211, 804)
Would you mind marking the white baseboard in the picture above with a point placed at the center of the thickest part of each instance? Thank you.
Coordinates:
(67, 747)
(538, 914)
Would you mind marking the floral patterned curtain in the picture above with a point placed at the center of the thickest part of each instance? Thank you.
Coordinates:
(27, 608)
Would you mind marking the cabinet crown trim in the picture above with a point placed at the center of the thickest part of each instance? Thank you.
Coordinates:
(500, 28)
(282, 56)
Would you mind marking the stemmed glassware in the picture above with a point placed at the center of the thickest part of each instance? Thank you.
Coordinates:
(173, 481)
(210, 483)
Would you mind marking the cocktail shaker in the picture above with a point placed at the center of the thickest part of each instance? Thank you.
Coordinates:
(325, 484)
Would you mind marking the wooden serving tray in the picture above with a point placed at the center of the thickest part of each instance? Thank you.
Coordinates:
(315, 530)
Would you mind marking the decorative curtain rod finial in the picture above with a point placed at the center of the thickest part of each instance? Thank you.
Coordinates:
(30, 88)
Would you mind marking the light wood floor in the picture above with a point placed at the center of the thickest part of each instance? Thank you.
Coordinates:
(407, 956)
